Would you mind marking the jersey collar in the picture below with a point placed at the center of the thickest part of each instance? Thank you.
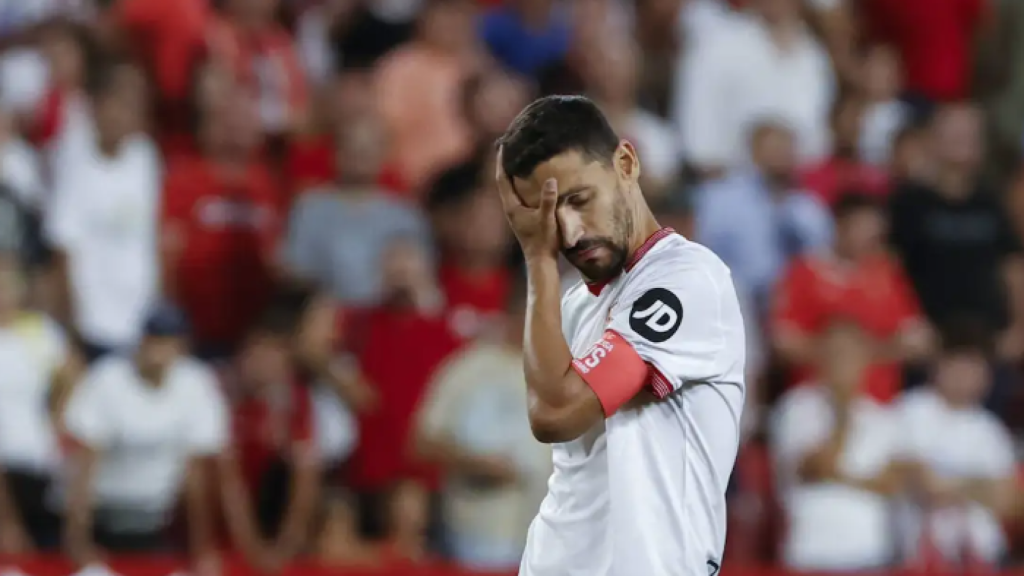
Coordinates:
(596, 287)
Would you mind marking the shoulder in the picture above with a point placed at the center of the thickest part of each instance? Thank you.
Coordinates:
(679, 263)
(316, 201)
(110, 373)
(801, 400)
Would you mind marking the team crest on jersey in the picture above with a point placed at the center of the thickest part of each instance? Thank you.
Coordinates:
(656, 315)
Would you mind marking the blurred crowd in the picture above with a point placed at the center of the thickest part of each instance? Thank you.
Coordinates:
(257, 294)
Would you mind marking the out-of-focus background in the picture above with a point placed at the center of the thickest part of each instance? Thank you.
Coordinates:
(260, 311)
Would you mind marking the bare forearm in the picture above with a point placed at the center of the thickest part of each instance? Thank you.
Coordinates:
(546, 358)
(302, 499)
(200, 528)
(8, 514)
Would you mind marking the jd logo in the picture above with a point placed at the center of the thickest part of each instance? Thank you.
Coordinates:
(656, 315)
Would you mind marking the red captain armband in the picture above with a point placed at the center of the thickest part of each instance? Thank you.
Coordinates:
(613, 370)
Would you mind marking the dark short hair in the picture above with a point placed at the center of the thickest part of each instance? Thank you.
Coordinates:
(456, 185)
(553, 125)
(852, 202)
(966, 335)
(104, 71)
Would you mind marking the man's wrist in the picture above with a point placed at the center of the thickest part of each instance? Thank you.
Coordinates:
(541, 262)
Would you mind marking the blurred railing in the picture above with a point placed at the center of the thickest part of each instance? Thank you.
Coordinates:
(155, 566)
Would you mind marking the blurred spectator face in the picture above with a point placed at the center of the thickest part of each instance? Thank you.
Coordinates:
(409, 509)
(956, 136)
(361, 150)
(120, 109)
(253, 11)
(910, 157)
(777, 11)
(214, 88)
(11, 285)
(494, 103)
(612, 75)
(846, 123)
(405, 271)
(844, 356)
(263, 362)
(480, 227)
(861, 232)
(881, 74)
(449, 25)
(64, 55)
(351, 95)
(156, 353)
(774, 153)
(962, 377)
(232, 130)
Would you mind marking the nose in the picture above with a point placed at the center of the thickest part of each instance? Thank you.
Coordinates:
(571, 227)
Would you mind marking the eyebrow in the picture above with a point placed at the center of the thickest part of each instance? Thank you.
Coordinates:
(575, 190)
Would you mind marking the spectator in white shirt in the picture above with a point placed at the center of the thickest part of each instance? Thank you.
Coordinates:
(103, 217)
(757, 66)
(473, 423)
(33, 359)
(835, 451)
(143, 429)
(612, 81)
(965, 475)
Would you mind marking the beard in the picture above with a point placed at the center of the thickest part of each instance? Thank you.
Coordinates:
(616, 245)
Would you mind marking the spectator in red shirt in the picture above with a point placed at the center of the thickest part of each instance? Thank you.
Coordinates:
(935, 40)
(263, 57)
(403, 341)
(844, 170)
(474, 244)
(860, 281)
(270, 478)
(170, 38)
(221, 222)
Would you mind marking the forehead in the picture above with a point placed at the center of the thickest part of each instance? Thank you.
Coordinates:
(572, 170)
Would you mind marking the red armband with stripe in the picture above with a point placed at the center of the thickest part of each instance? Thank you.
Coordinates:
(613, 370)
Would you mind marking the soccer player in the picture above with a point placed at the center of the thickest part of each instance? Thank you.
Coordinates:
(637, 377)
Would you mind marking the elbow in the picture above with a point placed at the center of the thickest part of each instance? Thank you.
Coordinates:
(549, 427)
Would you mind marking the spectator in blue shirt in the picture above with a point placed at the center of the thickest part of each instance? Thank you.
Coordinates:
(527, 35)
(757, 219)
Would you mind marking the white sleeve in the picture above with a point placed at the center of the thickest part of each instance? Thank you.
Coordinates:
(682, 317)
(85, 417)
(798, 425)
(998, 455)
(208, 433)
(64, 221)
(700, 101)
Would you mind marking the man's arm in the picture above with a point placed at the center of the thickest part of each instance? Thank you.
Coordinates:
(78, 520)
(561, 405)
(198, 508)
(305, 489)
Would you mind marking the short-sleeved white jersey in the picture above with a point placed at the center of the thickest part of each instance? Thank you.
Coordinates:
(643, 492)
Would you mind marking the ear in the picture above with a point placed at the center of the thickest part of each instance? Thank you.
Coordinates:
(627, 163)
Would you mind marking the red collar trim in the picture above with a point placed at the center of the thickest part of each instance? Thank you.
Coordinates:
(596, 287)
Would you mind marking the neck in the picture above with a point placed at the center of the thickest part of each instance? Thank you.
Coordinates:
(783, 32)
(648, 225)
(953, 182)
(108, 147)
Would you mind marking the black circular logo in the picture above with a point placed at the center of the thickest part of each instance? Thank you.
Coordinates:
(656, 315)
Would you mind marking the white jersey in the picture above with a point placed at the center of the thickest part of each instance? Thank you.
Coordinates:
(643, 492)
